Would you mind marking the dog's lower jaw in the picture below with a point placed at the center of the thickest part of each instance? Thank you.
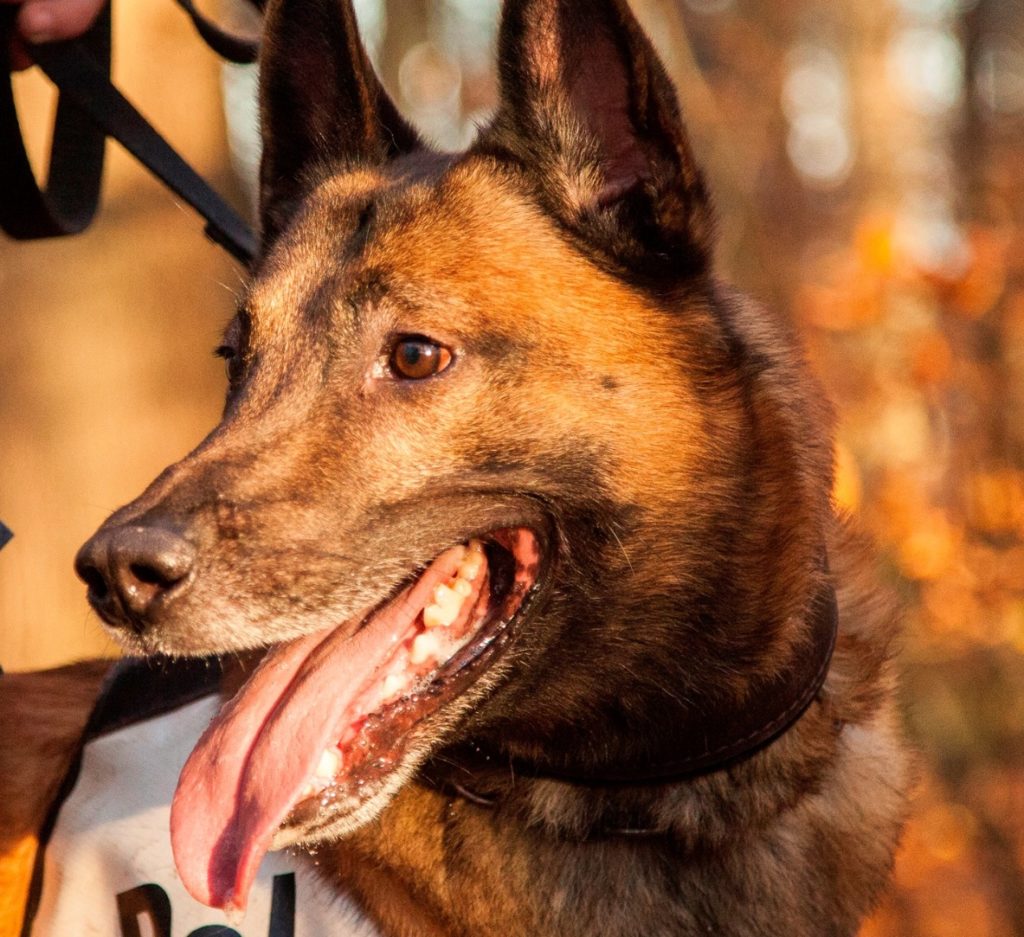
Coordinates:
(334, 823)
(339, 825)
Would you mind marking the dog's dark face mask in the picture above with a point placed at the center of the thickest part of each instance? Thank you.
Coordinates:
(487, 469)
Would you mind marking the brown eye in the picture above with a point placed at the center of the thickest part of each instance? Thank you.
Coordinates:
(416, 357)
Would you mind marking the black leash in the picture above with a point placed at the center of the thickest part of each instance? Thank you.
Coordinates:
(228, 46)
(89, 109)
(76, 156)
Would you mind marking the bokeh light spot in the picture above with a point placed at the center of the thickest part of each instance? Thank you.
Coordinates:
(925, 66)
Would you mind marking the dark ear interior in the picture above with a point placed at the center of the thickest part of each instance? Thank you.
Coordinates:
(589, 112)
(320, 103)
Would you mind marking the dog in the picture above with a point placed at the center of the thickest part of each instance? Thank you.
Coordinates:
(533, 514)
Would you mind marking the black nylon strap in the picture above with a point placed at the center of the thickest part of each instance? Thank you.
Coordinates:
(72, 70)
(93, 108)
(141, 688)
(702, 742)
(76, 156)
(237, 49)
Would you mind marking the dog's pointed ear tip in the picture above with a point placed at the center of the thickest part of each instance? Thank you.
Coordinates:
(320, 99)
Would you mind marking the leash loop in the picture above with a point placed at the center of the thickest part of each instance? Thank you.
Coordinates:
(89, 109)
(72, 191)
(237, 49)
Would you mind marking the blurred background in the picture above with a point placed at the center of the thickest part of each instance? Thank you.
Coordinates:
(868, 162)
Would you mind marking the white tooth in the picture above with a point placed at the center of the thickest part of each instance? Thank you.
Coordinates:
(432, 615)
(463, 587)
(308, 791)
(393, 685)
(330, 762)
(424, 648)
(446, 597)
(437, 616)
(470, 566)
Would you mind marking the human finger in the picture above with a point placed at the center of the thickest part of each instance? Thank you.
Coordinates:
(49, 20)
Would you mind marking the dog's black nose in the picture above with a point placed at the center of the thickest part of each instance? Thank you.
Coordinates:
(128, 568)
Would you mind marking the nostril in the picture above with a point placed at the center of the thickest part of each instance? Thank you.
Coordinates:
(148, 562)
(95, 581)
(152, 575)
(91, 565)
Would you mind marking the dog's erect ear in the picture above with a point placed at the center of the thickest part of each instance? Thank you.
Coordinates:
(320, 102)
(588, 110)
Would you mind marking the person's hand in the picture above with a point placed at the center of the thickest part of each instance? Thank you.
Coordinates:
(48, 20)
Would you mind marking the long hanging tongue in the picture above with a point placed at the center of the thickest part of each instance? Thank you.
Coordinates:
(248, 769)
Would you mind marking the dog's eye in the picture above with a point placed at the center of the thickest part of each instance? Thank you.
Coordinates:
(415, 357)
(233, 360)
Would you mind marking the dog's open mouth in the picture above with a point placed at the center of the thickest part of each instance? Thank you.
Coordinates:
(325, 719)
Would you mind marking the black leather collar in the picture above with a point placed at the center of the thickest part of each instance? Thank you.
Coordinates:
(703, 741)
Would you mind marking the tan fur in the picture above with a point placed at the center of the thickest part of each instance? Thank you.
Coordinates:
(41, 720)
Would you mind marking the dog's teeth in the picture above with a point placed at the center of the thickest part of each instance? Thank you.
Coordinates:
(393, 685)
(447, 597)
(470, 566)
(438, 616)
(330, 762)
(462, 587)
(424, 648)
(432, 617)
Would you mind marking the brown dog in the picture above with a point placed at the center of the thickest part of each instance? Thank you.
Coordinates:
(534, 515)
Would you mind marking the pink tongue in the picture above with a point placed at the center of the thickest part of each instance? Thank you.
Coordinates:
(249, 767)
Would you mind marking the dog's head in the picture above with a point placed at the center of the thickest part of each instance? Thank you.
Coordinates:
(499, 461)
